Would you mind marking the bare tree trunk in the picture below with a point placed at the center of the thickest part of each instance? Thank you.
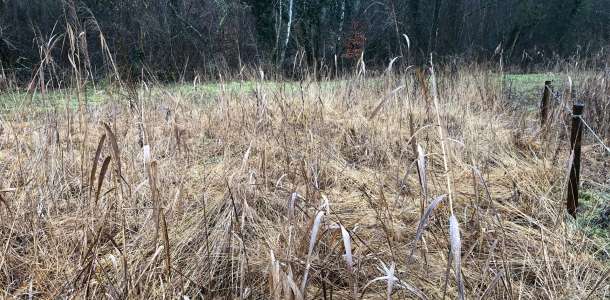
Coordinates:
(278, 31)
(288, 27)
(397, 31)
(455, 17)
(418, 42)
(341, 20)
(434, 30)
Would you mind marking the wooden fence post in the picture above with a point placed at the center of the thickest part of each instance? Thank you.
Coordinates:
(544, 104)
(575, 143)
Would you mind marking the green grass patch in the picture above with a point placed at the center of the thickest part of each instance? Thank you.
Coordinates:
(52, 99)
(523, 88)
(211, 90)
(594, 218)
(528, 88)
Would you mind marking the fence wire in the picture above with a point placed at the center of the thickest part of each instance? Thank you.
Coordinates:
(599, 139)
(595, 135)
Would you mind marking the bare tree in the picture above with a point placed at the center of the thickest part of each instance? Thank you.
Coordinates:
(288, 28)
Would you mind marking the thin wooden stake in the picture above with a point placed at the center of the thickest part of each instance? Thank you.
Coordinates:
(575, 143)
(544, 104)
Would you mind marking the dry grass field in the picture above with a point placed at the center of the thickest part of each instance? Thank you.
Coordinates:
(401, 186)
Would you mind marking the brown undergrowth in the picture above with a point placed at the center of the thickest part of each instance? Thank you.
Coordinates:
(242, 194)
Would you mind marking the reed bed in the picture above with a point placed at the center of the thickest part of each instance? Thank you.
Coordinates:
(402, 185)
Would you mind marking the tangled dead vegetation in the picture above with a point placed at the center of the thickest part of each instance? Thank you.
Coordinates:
(295, 190)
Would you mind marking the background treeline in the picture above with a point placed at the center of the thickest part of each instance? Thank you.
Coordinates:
(174, 39)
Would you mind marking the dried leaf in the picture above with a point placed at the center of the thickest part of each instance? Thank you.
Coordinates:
(389, 69)
(312, 243)
(168, 257)
(424, 222)
(347, 244)
(98, 152)
(421, 171)
(383, 100)
(456, 245)
(115, 149)
(408, 40)
(100, 180)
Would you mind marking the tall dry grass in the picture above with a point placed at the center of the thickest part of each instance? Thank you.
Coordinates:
(313, 189)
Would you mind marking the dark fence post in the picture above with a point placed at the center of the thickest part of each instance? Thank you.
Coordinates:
(575, 139)
(544, 104)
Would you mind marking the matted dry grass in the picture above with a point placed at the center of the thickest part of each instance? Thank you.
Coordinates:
(226, 204)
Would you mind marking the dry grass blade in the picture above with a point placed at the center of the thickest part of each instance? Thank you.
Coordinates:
(296, 293)
(144, 271)
(421, 171)
(456, 246)
(274, 282)
(391, 64)
(362, 65)
(417, 292)
(124, 259)
(246, 156)
(391, 281)
(383, 101)
(423, 222)
(491, 285)
(407, 40)
(168, 256)
(146, 153)
(291, 203)
(98, 152)
(312, 243)
(347, 244)
(441, 134)
(100, 179)
(5, 203)
(598, 283)
(152, 180)
(115, 149)
(413, 139)
(388, 277)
